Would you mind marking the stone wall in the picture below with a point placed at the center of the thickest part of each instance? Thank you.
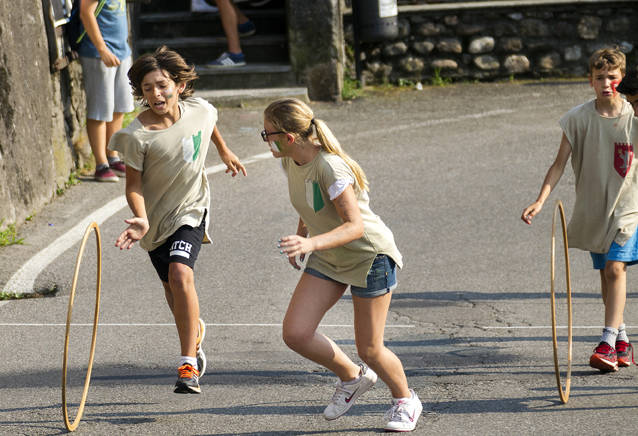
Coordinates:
(498, 39)
(315, 35)
(39, 118)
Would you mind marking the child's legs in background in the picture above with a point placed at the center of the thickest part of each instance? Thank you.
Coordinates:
(96, 130)
(229, 19)
(312, 298)
(369, 325)
(111, 128)
(100, 133)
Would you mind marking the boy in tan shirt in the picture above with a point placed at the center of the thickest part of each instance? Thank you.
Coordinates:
(599, 137)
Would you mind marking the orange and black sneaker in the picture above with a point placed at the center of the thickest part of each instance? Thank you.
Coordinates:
(187, 380)
(623, 350)
(604, 358)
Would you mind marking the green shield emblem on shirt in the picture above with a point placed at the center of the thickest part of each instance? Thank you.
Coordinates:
(191, 146)
(313, 195)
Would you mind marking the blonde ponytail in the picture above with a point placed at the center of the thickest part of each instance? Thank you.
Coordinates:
(294, 116)
(330, 144)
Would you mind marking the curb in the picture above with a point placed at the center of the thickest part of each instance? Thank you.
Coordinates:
(251, 97)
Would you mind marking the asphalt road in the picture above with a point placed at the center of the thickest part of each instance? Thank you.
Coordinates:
(451, 169)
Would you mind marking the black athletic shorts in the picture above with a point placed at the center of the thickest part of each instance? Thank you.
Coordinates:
(181, 247)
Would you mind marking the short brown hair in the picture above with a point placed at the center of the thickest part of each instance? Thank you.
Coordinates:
(610, 58)
(162, 59)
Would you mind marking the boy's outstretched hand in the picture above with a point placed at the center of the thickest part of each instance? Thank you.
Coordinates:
(233, 165)
(136, 230)
(531, 211)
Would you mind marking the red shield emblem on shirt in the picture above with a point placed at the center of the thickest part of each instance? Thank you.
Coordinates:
(623, 156)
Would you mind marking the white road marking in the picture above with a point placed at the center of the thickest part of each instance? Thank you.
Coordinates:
(429, 123)
(9, 324)
(532, 327)
(23, 280)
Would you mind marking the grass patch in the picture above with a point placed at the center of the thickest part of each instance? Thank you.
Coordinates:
(438, 80)
(22, 296)
(72, 181)
(351, 89)
(9, 236)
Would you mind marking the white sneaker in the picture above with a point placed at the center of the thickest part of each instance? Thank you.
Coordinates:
(347, 393)
(404, 414)
(202, 6)
(201, 357)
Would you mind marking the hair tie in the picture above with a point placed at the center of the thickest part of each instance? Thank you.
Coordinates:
(312, 121)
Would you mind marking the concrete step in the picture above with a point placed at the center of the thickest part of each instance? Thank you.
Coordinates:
(200, 50)
(254, 97)
(185, 5)
(187, 24)
(251, 75)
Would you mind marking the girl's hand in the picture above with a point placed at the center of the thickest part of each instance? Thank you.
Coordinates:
(232, 162)
(295, 245)
(531, 211)
(136, 230)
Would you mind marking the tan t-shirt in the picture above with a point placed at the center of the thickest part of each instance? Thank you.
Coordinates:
(172, 162)
(606, 208)
(309, 186)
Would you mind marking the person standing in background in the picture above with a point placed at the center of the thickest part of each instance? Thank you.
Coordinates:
(106, 58)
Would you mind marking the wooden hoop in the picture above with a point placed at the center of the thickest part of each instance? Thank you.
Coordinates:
(564, 394)
(72, 426)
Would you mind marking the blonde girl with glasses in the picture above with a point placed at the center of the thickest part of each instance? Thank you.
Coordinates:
(346, 244)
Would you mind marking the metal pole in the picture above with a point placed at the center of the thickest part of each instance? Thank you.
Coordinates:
(357, 48)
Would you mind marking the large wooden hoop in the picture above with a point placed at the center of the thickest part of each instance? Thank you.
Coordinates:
(71, 426)
(564, 394)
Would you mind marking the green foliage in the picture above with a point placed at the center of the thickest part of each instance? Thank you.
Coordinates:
(130, 116)
(11, 296)
(9, 236)
(20, 296)
(403, 83)
(438, 80)
(351, 89)
(72, 181)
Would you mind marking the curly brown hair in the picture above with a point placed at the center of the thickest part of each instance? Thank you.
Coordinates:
(163, 59)
(610, 58)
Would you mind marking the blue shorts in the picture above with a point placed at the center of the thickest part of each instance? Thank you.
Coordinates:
(381, 279)
(628, 253)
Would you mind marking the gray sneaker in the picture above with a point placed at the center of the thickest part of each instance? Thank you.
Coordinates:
(346, 393)
(187, 380)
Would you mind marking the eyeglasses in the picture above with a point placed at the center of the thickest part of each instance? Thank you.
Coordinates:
(265, 135)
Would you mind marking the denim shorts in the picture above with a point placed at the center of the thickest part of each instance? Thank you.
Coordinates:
(181, 247)
(628, 253)
(381, 279)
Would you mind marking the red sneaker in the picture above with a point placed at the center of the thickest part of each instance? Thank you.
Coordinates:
(105, 175)
(118, 168)
(604, 358)
(623, 349)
